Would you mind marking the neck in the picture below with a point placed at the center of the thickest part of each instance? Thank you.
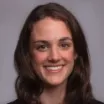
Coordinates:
(53, 94)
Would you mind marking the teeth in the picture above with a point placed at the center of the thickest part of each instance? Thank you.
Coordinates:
(53, 68)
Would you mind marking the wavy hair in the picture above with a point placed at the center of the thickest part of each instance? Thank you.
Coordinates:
(28, 84)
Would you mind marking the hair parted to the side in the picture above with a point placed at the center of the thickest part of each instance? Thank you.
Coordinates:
(28, 85)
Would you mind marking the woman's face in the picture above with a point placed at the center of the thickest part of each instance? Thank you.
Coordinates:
(52, 51)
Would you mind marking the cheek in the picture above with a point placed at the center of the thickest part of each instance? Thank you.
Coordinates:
(38, 57)
(69, 55)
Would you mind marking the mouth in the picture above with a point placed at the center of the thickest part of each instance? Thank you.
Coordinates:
(56, 68)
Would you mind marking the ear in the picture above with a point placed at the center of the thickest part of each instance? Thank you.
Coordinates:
(75, 56)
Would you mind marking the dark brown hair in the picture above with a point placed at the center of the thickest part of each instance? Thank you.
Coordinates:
(28, 85)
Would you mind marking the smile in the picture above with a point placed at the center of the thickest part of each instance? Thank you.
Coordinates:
(54, 68)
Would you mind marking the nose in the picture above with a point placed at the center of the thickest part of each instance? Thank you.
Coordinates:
(54, 55)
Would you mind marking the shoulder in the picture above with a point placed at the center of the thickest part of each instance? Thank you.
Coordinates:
(17, 101)
(21, 102)
(96, 102)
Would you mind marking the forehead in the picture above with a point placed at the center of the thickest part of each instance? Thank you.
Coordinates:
(50, 29)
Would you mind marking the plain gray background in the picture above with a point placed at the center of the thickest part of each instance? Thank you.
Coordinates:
(13, 13)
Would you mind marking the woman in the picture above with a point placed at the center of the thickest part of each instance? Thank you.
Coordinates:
(52, 59)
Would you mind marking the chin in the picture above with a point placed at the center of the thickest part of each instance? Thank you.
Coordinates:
(56, 83)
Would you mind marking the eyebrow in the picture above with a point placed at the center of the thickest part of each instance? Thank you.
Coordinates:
(41, 41)
(66, 38)
(46, 41)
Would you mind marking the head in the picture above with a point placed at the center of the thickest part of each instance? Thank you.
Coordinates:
(52, 50)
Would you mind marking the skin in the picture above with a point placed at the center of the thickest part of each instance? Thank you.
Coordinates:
(51, 47)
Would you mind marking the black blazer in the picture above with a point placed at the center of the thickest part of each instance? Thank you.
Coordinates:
(21, 102)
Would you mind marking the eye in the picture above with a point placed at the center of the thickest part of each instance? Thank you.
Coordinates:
(65, 45)
(41, 48)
